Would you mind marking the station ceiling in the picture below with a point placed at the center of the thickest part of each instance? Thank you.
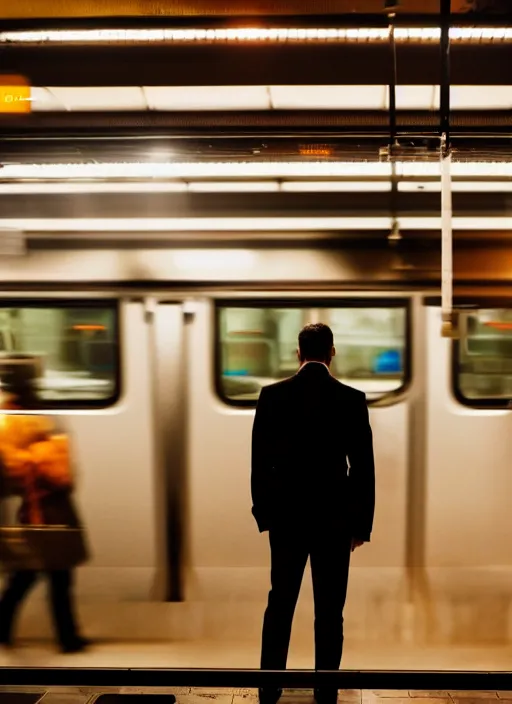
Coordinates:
(162, 104)
(29, 9)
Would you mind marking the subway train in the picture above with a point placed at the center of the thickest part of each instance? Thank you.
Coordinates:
(156, 356)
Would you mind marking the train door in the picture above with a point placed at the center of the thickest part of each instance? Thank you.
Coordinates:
(237, 345)
(469, 437)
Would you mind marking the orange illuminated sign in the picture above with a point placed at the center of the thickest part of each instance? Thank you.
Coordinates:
(315, 150)
(15, 95)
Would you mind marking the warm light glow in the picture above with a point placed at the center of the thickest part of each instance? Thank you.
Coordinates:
(315, 150)
(89, 327)
(499, 326)
(15, 95)
(281, 34)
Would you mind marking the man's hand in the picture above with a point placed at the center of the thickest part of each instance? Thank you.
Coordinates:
(356, 543)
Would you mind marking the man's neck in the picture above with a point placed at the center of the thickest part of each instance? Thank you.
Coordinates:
(314, 361)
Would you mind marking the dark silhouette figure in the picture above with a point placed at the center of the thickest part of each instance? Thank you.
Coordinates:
(308, 430)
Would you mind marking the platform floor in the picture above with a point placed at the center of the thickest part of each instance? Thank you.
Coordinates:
(70, 695)
(193, 654)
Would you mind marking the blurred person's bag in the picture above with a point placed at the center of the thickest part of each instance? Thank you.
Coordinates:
(41, 548)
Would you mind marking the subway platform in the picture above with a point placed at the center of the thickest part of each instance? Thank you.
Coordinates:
(190, 695)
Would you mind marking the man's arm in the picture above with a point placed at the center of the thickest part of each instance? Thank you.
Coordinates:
(261, 464)
(362, 473)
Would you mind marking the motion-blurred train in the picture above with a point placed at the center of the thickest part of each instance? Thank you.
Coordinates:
(157, 354)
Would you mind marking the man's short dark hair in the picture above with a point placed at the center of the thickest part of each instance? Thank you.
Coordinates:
(315, 342)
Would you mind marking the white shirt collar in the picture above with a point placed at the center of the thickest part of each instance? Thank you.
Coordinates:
(313, 361)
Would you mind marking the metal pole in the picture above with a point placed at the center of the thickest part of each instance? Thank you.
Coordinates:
(445, 69)
(446, 190)
(446, 241)
(392, 83)
(394, 236)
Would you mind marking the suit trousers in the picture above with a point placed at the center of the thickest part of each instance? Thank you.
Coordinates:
(327, 543)
(17, 588)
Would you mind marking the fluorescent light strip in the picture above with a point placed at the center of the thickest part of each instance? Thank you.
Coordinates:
(234, 187)
(269, 169)
(335, 186)
(261, 97)
(70, 188)
(97, 36)
(65, 225)
(457, 186)
(199, 187)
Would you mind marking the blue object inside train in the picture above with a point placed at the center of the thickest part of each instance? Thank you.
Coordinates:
(388, 362)
(237, 372)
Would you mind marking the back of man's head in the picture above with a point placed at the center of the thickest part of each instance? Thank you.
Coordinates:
(316, 343)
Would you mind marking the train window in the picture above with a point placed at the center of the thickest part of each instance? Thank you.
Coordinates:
(483, 357)
(257, 345)
(72, 349)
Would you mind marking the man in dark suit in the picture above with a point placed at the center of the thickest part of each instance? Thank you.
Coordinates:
(313, 489)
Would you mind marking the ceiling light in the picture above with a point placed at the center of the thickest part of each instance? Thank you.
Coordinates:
(77, 187)
(269, 224)
(251, 170)
(72, 187)
(193, 224)
(336, 186)
(233, 187)
(457, 186)
(241, 35)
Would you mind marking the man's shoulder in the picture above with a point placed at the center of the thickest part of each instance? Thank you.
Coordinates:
(278, 387)
(348, 392)
(344, 391)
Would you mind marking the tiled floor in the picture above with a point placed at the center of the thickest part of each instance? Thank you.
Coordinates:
(239, 696)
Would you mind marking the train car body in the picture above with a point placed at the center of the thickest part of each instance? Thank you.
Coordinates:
(155, 357)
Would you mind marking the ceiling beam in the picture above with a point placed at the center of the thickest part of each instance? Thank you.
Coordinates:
(280, 124)
(249, 64)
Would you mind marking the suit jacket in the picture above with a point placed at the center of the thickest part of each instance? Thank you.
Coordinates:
(308, 430)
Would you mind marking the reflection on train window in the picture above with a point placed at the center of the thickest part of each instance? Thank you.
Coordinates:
(74, 350)
(258, 346)
(484, 364)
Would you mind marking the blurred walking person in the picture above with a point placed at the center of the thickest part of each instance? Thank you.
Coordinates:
(48, 540)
